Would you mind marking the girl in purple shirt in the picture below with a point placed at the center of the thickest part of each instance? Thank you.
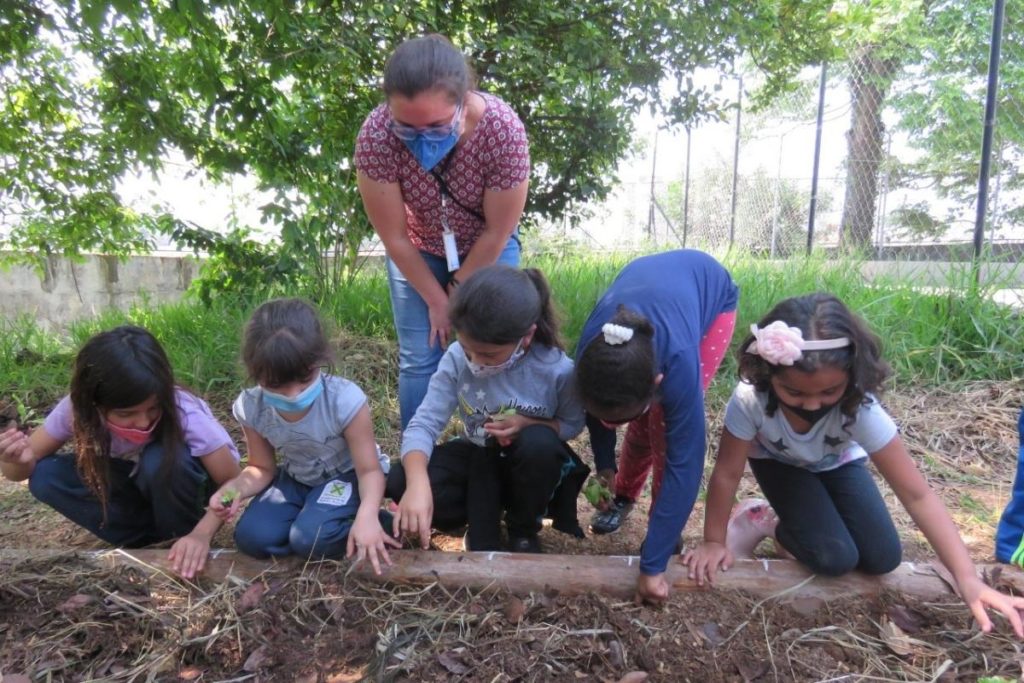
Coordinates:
(147, 453)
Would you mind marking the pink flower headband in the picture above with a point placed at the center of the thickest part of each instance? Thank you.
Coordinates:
(780, 344)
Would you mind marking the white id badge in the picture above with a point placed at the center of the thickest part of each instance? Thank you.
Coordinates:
(451, 251)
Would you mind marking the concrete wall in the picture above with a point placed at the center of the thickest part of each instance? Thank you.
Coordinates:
(69, 291)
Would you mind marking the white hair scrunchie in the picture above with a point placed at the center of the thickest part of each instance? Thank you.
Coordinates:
(616, 334)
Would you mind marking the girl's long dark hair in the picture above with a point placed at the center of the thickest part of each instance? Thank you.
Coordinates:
(822, 316)
(120, 368)
(499, 303)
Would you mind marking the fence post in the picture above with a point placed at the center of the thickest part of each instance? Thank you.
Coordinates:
(998, 9)
(686, 189)
(736, 162)
(817, 160)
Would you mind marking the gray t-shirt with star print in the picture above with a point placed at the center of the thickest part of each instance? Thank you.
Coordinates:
(539, 385)
(828, 445)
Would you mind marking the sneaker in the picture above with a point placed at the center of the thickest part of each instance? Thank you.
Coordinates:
(525, 544)
(608, 521)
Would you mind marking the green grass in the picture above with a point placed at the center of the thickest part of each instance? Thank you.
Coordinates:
(929, 337)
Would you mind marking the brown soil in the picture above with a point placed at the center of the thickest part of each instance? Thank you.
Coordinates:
(69, 620)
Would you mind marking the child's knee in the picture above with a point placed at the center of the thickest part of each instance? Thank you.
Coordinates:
(251, 539)
(42, 483)
(319, 542)
(831, 558)
(394, 486)
(883, 557)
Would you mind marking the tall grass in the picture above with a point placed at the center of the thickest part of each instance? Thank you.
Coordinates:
(951, 334)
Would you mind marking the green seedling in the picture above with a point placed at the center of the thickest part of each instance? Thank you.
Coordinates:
(596, 492)
(503, 414)
(228, 497)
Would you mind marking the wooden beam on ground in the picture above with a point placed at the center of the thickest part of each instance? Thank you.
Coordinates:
(568, 574)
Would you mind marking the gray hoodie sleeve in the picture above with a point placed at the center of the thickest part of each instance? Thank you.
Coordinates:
(570, 414)
(438, 405)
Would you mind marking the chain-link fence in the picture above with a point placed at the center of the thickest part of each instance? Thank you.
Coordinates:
(901, 129)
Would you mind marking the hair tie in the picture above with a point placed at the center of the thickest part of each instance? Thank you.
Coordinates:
(780, 344)
(616, 334)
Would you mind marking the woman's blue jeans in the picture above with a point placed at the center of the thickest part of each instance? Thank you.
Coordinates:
(417, 360)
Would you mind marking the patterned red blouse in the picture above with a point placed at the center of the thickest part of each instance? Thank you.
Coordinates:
(496, 156)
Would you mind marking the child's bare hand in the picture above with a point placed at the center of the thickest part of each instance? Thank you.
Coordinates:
(188, 554)
(505, 428)
(704, 561)
(651, 589)
(369, 540)
(978, 596)
(225, 502)
(415, 513)
(14, 447)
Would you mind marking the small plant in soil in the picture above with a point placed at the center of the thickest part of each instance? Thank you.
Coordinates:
(596, 492)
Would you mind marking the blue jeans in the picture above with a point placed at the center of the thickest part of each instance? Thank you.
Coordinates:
(1010, 532)
(290, 518)
(832, 522)
(417, 360)
(142, 507)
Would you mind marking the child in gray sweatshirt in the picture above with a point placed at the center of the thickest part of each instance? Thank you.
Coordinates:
(511, 382)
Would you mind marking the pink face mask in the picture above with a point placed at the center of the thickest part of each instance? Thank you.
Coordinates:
(135, 436)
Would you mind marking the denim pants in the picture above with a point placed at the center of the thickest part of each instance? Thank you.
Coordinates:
(417, 360)
(1010, 532)
(832, 522)
(290, 518)
(478, 485)
(145, 506)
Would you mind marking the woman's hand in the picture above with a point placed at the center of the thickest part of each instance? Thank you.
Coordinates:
(653, 589)
(189, 553)
(226, 501)
(368, 539)
(705, 559)
(415, 512)
(14, 448)
(978, 596)
(440, 325)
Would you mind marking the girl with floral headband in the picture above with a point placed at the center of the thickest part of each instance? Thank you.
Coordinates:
(647, 352)
(806, 419)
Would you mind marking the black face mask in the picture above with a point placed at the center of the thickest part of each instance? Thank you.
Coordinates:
(811, 416)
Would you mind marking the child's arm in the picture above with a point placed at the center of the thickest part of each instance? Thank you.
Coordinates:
(705, 559)
(367, 538)
(188, 554)
(897, 467)
(20, 453)
(253, 478)
(416, 509)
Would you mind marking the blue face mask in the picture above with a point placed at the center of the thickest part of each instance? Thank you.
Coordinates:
(297, 404)
(430, 152)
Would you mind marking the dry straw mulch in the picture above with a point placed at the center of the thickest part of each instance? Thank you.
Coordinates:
(70, 620)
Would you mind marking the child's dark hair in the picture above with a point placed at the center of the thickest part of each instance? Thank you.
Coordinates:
(283, 342)
(499, 303)
(821, 316)
(120, 368)
(428, 63)
(615, 377)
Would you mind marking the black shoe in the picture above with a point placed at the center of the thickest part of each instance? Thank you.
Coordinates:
(607, 521)
(524, 544)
